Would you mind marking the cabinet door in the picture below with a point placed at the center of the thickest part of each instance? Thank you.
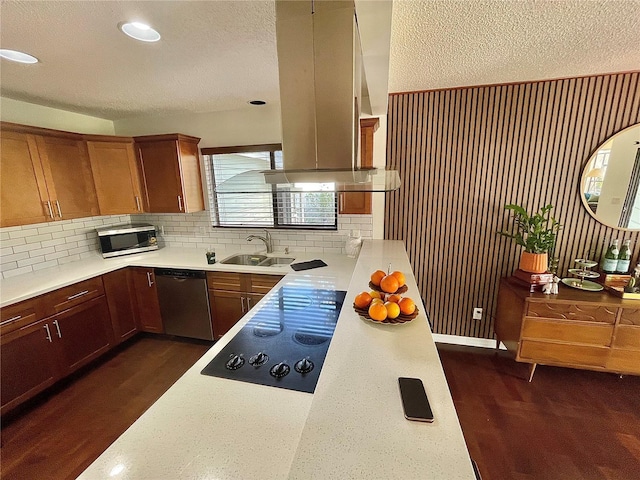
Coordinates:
(81, 333)
(115, 174)
(356, 203)
(118, 289)
(161, 171)
(226, 309)
(68, 175)
(22, 184)
(27, 363)
(146, 296)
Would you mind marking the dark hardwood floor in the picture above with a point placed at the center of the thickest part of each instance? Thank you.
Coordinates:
(59, 434)
(567, 424)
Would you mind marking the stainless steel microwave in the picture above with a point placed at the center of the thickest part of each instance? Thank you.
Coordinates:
(126, 239)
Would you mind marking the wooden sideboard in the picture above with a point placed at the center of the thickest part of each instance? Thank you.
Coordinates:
(577, 329)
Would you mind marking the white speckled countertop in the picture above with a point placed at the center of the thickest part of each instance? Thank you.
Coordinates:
(352, 426)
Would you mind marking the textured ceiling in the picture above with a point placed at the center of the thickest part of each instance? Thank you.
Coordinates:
(446, 43)
(217, 55)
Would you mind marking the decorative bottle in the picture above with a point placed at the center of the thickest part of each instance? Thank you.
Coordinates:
(609, 262)
(624, 257)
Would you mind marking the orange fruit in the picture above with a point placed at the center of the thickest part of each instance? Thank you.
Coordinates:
(378, 312)
(377, 276)
(375, 294)
(407, 307)
(362, 300)
(389, 284)
(395, 298)
(393, 310)
(400, 277)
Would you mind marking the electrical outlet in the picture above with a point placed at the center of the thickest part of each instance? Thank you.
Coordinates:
(477, 313)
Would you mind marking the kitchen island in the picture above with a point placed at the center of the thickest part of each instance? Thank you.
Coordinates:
(351, 427)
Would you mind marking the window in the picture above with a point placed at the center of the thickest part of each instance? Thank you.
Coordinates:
(295, 207)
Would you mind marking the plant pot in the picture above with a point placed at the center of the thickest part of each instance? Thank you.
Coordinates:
(534, 262)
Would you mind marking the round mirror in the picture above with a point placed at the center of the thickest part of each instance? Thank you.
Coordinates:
(610, 182)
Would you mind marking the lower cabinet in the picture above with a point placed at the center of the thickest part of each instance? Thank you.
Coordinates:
(81, 334)
(146, 297)
(118, 289)
(231, 295)
(28, 363)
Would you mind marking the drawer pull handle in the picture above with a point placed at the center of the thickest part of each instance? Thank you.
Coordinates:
(84, 292)
(46, 327)
(248, 303)
(149, 279)
(179, 203)
(12, 319)
(138, 203)
(59, 209)
(55, 322)
(242, 304)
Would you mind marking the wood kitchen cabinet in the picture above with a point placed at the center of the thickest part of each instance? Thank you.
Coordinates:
(46, 176)
(171, 173)
(146, 299)
(231, 295)
(115, 173)
(118, 287)
(590, 330)
(360, 202)
(45, 338)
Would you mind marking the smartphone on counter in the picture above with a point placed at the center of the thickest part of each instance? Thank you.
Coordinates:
(414, 400)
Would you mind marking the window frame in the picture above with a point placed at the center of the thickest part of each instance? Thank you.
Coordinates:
(272, 148)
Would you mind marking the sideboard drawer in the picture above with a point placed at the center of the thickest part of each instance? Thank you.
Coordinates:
(20, 314)
(630, 316)
(624, 361)
(566, 331)
(567, 311)
(564, 353)
(627, 336)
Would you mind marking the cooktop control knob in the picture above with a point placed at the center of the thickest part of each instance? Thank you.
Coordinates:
(259, 359)
(280, 370)
(235, 362)
(304, 366)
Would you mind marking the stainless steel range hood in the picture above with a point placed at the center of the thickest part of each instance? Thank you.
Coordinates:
(321, 78)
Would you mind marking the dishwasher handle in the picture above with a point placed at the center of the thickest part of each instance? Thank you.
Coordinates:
(178, 274)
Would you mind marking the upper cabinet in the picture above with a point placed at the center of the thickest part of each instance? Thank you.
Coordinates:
(171, 173)
(360, 202)
(45, 175)
(115, 173)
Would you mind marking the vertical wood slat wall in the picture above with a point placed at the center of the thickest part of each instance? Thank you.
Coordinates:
(464, 153)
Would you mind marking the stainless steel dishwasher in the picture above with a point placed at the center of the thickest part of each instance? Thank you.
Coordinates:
(184, 303)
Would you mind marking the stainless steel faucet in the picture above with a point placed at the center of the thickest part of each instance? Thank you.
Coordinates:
(266, 239)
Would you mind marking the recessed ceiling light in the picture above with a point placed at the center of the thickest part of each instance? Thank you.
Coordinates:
(140, 31)
(257, 102)
(16, 56)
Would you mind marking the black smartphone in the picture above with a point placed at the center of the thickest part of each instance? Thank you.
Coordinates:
(414, 400)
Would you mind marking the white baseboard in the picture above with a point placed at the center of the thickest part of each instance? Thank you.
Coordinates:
(467, 341)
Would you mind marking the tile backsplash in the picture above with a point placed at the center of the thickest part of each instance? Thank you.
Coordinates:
(34, 247)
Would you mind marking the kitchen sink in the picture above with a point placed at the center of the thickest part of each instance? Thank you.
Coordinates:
(274, 261)
(244, 259)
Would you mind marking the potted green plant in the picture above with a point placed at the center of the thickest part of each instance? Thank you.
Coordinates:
(536, 233)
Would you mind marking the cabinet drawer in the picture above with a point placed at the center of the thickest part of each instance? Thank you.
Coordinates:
(627, 336)
(263, 283)
(20, 314)
(568, 311)
(630, 316)
(624, 361)
(564, 353)
(229, 281)
(75, 294)
(567, 331)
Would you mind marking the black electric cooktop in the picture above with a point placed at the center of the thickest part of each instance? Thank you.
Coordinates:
(286, 341)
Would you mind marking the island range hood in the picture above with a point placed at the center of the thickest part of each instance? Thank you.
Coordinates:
(321, 81)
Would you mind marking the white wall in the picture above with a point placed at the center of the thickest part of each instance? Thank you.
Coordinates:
(249, 126)
(25, 113)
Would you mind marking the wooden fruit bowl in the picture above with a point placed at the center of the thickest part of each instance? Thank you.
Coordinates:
(402, 318)
(400, 290)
